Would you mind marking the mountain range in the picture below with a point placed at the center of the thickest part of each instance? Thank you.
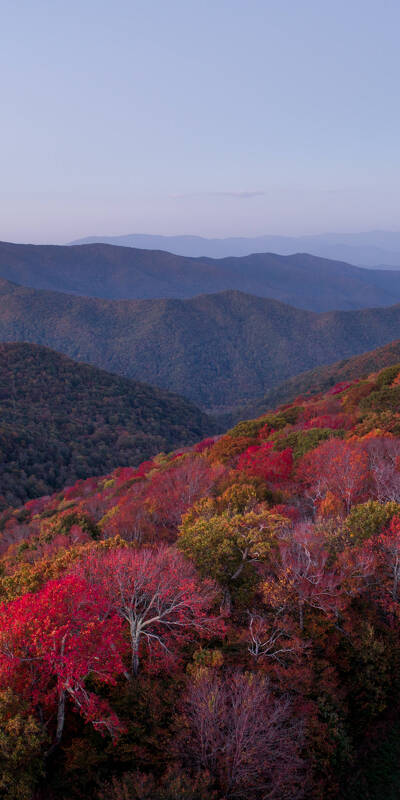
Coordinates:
(370, 249)
(60, 421)
(112, 272)
(218, 350)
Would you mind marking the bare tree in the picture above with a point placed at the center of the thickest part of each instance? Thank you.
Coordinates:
(384, 464)
(245, 737)
(157, 592)
(274, 639)
(303, 577)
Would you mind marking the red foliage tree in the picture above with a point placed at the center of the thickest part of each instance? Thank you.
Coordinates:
(158, 594)
(130, 518)
(303, 577)
(335, 466)
(151, 510)
(333, 421)
(264, 462)
(52, 642)
(173, 491)
(357, 567)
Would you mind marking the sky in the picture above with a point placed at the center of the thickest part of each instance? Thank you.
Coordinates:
(207, 117)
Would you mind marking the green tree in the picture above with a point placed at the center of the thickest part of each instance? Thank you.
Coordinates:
(227, 548)
(369, 519)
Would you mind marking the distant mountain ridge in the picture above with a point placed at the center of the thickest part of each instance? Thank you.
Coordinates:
(370, 249)
(101, 270)
(218, 350)
(60, 421)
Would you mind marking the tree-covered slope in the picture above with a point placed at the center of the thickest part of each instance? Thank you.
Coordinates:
(60, 421)
(321, 379)
(234, 604)
(219, 350)
(104, 270)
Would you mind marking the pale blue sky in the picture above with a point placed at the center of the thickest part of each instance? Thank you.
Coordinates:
(211, 117)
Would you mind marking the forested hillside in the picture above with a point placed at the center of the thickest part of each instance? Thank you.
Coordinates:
(219, 624)
(218, 350)
(102, 270)
(321, 379)
(60, 421)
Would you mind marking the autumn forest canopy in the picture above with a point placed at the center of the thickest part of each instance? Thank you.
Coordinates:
(219, 621)
(199, 528)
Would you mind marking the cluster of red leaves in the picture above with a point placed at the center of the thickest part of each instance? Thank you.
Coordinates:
(336, 466)
(52, 641)
(340, 387)
(264, 462)
(333, 421)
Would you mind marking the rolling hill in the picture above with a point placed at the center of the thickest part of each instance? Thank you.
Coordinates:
(106, 271)
(218, 350)
(369, 249)
(60, 421)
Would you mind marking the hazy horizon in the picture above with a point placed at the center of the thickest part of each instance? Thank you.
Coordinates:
(189, 235)
(176, 235)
